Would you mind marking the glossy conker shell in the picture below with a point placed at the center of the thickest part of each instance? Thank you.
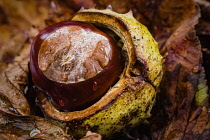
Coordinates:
(77, 95)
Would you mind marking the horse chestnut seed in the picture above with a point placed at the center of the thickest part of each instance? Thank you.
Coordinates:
(74, 64)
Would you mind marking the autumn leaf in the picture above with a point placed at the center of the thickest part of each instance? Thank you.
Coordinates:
(13, 82)
(182, 30)
(27, 127)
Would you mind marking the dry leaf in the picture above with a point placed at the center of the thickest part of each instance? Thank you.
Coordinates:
(30, 127)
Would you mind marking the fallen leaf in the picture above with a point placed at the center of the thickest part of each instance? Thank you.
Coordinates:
(30, 127)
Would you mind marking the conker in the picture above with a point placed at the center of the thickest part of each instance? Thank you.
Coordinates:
(74, 64)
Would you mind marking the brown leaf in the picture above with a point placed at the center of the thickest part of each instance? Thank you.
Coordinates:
(10, 38)
(198, 124)
(30, 127)
(178, 87)
(23, 14)
(12, 83)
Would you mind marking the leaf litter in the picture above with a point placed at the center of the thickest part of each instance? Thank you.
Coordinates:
(182, 29)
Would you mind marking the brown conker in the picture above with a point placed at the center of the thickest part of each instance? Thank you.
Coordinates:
(74, 64)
